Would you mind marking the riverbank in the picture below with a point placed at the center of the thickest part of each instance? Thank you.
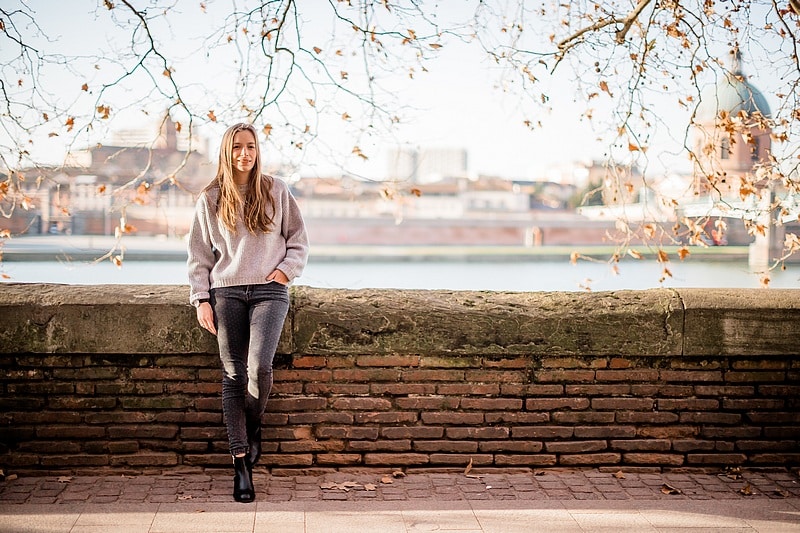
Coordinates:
(134, 248)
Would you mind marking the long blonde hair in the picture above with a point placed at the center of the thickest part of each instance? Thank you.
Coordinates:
(256, 206)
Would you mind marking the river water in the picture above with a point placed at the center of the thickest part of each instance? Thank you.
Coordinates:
(558, 275)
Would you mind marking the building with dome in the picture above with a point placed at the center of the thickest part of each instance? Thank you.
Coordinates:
(731, 133)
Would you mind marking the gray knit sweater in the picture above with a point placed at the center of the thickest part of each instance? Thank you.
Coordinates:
(219, 258)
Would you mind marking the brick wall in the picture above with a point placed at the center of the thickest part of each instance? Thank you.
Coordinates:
(408, 379)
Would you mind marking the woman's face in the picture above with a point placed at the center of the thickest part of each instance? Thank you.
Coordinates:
(243, 155)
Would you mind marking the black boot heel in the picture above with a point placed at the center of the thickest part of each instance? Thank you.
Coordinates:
(254, 441)
(243, 490)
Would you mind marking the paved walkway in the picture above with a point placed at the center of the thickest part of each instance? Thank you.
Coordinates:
(550, 500)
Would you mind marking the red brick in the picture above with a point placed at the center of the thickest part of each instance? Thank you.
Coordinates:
(457, 418)
(589, 459)
(331, 389)
(391, 417)
(573, 362)
(190, 388)
(492, 404)
(660, 459)
(693, 363)
(515, 362)
(692, 445)
(776, 458)
(581, 446)
(783, 391)
(347, 432)
(461, 459)
(367, 375)
(45, 387)
(740, 432)
(716, 458)
(450, 362)
(636, 445)
(361, 404)
(286, 459)
(774, 417)
(340, 361)
(754, 377)
(550, 404)
(396, 459)
(445, 446)
(783, 432)
(297, 404)
(620, 389)
(81, 460)
(402, 445)
(162, 374)
(691, 375)
(716, 391)
(541, 432)
(467, 389)
(753, 404)
(583, 417)
(688, 404)
(72, 403)
(627, 375)
(323, 417)
(71, 432)
(516, 389)
(619, 362)
(477, 433)
(710, 418)
(338, 458)
(300, 446)
(413, 432)
(516, 418)
(309, 361)
(403, 389)
(143, 431)
(600, 432)
(655, 389)
(565, 376)
(433, 375)
(517, 446)
(766, 445)
(495, 376)
(667, 432)
(389, 361)
(428, 403)
(525, 460)
(201, 433)
(303, 376)
(760, 364)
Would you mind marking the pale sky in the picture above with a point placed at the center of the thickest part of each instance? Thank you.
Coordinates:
(456, 104)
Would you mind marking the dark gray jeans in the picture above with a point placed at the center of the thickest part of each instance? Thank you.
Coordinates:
(249, 323)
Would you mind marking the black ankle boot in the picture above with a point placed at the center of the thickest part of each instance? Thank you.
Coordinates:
(243, 490)
(254, 441)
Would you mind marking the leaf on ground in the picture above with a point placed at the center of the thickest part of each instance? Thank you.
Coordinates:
(781, 493)
(65, 479)
(398, 473)
(469, 467)
(669, 489)
(185, 497)
(11, 477)
(747, 490)
(387, 480)
(619, 475)
(370, 486)
(539, 473)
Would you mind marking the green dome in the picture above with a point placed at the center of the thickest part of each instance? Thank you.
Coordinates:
(732, 94)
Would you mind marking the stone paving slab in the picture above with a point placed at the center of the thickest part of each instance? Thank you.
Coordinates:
(552, 500)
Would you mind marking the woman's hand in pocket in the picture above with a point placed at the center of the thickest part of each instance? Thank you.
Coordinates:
(279, 277)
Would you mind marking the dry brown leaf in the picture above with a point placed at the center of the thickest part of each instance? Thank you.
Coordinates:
(669, 489)
(370, 486)
(387, 480)
(469, 467)
(539, 473)
(781, 493)
(398, 473)
(65, 479)
(619, 475)
(747, 490)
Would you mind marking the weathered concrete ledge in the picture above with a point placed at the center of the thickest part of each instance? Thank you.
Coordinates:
(50, 318)
(122, 377)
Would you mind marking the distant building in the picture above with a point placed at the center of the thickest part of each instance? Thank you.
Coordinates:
(427, 165)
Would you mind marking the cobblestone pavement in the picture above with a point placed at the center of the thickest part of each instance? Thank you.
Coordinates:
(550, 484)
(552, 500)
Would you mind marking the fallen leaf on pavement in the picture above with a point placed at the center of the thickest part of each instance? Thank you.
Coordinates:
(539, 473)
(619, 475)
(370, 486)
(747, 490)
(469, 467)
(781, 493)
(669, 489)
(387, 480)
(398, 473)
(65, 479)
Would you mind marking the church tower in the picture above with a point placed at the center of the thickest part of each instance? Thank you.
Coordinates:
(731, 134)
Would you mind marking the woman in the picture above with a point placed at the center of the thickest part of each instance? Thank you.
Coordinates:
(246, 244)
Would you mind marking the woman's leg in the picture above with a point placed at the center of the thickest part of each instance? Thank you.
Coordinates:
(269, 305)
(231, 311)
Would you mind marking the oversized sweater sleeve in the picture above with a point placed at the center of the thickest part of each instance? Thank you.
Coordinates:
(293, 230)
(201, 253)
